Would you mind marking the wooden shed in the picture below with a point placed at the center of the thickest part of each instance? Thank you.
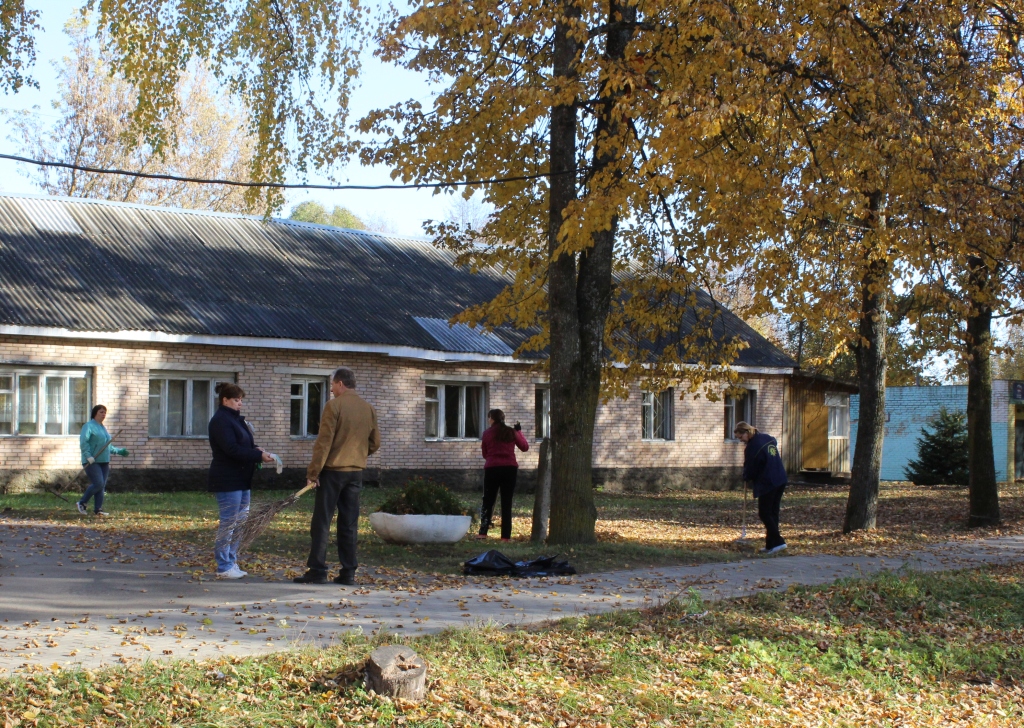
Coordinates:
(816, 425)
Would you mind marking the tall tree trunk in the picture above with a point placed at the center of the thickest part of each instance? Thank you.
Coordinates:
(984, 490)
(862, 504)
(573, 513)
(579, 297)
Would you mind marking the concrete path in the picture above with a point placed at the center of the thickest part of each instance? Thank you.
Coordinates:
(70, 596)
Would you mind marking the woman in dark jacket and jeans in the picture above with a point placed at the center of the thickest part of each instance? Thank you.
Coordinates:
(234, 461)
(499, 444)
(764, 470)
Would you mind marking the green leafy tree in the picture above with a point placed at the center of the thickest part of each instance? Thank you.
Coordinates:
(942, 455)
(315, 212)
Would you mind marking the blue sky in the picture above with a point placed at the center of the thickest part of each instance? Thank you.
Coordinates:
(381, 85)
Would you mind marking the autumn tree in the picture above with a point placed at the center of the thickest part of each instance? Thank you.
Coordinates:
(17, 44)
(313, 211)
(94, 129)
(604, 118)
(865, 139)
(973, 210)
(1009, 362)
(826, 348)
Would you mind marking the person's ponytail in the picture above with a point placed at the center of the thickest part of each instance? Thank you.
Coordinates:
(502, 432)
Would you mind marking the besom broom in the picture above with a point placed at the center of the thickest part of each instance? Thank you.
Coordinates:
(259, 517)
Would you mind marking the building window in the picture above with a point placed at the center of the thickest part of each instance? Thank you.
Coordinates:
(542, 412)
(308, 400)
(657, 415)
(181, 406)
(740, 408)
(455, 411)
(838, 414)
(39, 402)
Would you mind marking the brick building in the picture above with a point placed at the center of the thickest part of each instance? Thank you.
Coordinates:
(145, 309)
(909, 409)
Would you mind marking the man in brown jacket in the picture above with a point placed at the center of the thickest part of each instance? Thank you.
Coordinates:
(348, 435)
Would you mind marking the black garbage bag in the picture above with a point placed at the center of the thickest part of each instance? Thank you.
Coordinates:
(495, 563)
(543, 566)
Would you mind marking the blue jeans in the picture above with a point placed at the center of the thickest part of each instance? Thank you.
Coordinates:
(234, 505)
(97, 474)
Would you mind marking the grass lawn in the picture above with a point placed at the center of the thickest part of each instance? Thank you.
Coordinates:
(634, 530)
(895, 650)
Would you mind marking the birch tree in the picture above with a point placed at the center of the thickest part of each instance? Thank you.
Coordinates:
(94, 129)
(18, 26)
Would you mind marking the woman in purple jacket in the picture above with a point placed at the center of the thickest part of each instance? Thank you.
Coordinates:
(499, 444)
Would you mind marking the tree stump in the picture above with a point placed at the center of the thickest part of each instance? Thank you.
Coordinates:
(398, 672)
(542, 497)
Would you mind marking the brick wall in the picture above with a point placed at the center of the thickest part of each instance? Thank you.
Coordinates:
(699, 454)
(909, 409)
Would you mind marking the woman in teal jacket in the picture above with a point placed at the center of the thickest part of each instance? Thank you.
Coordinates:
(96, 459)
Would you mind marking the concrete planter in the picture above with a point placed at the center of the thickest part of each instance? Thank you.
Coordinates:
(419, 529)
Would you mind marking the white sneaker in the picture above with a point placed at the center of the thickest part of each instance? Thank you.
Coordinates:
(777, 549)
(233, 573)
(81, 509)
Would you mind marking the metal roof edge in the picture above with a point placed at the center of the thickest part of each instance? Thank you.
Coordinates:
(404, 352)
(207, 213)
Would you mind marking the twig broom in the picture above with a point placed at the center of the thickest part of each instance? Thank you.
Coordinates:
(251, 526)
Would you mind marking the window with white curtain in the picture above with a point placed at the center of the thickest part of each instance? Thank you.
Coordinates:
(740, 407)
(455, 411)
(182, 403)
(656, 409)
(838, 414)
(44, 402)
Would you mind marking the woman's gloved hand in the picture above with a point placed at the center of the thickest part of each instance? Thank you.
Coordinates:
(90, 460)
(122, 451)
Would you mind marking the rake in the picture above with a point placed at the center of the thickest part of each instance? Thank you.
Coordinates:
(743, 541)
(251, 526)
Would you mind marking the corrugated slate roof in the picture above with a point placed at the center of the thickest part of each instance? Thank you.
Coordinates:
(92, 265)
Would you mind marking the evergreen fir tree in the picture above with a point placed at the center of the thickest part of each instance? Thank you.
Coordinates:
(941, 454)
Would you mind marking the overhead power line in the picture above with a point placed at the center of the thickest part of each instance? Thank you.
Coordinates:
(280, 185)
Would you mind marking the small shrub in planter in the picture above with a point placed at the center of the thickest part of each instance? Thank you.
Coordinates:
(425, 497)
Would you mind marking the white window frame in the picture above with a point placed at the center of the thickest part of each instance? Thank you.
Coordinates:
(442, 435)
(747, 413)
(653, 406)
(542, 417)
(325, 382)
(189, 378)
(43, 374)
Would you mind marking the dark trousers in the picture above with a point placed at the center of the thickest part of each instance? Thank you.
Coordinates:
(338, 491)
(768, 507)
(498, 479)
